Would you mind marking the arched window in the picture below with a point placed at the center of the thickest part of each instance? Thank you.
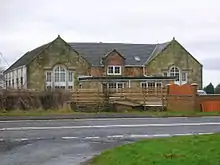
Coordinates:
(59, 77)
(60, 74)
(175, 71)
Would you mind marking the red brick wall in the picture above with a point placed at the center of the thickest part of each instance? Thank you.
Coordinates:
(133, 71)
(181, 98)
(97, 71)
(180, 103)
(114, 58)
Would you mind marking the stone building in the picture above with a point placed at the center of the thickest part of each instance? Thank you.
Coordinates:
(59, 64)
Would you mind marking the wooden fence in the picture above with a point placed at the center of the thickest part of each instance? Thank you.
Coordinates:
(135, 96)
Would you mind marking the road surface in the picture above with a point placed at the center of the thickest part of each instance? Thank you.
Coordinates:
(70, 142)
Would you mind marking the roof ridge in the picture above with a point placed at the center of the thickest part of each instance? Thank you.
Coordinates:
(110, 43)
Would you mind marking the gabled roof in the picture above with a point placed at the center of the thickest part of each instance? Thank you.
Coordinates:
(113, 51)
(27, 57)
(94, 52)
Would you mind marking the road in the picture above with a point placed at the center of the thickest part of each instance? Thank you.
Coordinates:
(70, 142)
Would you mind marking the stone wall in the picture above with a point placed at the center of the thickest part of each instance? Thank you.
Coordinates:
(57, 53)
(175, 55)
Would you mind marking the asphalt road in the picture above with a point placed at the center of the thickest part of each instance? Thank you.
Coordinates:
(70, 142)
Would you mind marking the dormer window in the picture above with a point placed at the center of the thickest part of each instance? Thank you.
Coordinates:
(114, 70)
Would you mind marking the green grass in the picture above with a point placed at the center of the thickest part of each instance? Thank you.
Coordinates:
(185, 150)
(40, 112)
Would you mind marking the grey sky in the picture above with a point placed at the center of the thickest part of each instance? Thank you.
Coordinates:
(26, 24)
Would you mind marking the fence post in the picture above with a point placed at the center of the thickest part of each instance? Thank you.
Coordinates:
(167, 91)
(194, 88)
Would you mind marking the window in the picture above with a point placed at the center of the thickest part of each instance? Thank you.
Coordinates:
(59, 87)
(150, 84)
(9, 83)
(48, 76)
(184, 76)
(21, 81)
(49, 87)
(59, 78)
(70, 87)
(143, 85)
(120, 85)
(114, 70)
(70, 76)
(60, 74)
(116, 85)
(13, 83)
(17, 82)
(112, 85)
(165, 74)
(110, 70)
(158, 84)
(117, 70)
(175, 72)
(6, 83)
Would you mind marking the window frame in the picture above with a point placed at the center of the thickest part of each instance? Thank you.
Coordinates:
(70, 76)
(113, 67)
(175, 72)
(185, 78)
(155, 84)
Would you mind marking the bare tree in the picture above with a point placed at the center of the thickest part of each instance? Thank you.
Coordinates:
(2, 80)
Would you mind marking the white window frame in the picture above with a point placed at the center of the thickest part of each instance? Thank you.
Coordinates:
(70, 76)
(63, 79)
(147, 84)
(180, 73)
(186, 78)
(176, 72)
(47, 76)
(113, 67)
(116, 85)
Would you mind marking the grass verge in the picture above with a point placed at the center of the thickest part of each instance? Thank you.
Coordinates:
(185, 150)
(39, 112)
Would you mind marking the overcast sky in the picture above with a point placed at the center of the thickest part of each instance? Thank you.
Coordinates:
(26, 24)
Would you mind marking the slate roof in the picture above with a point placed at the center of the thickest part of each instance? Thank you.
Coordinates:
(94, 52)
(27, 57)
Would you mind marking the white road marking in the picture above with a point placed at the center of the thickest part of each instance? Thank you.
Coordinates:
(67, 138)
(92, 137)
(205, 133)
(108, 126)
(116, 136)
(22, 139)
(132, 136)
(162, 135)
(139, 136)
(182, 134)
